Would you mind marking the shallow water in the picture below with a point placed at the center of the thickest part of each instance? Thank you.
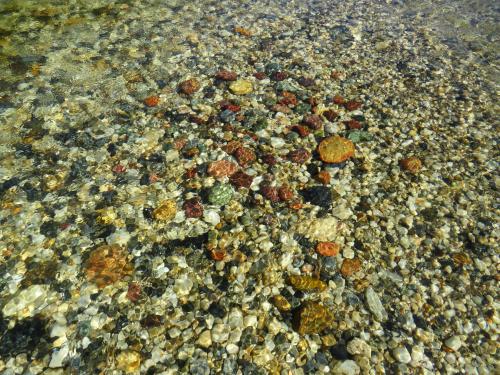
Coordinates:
(248, 187)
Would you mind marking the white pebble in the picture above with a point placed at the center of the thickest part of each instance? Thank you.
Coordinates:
(347, 367)
(454, 343)
(375, 305)
(401, 354)
(232, 349)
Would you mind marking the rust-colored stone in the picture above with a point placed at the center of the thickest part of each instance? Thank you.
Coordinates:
(327, 249)
(303, 131)
(285, 193)
(245, 156)
(350, 267)
(270, 193)
(259, 75)
(337, 99)
(352, 105)
(299, 156)
(269, 159)
(193, 208)
(222, 168)
(241, 179)
(324, 177)
(288, 99)
(226, 75)
(330, 115)
(411, 164)
(189, 86)
(152, 101)
(313, 121)
(134, 292)
(353, 124)
(107, 264)
(242, 31)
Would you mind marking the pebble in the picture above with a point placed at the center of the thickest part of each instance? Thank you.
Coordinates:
(128, 361)
(222, 168)
(335, 149)
(313, 317)
(205, 339)
(327, 249)
(220, 194)
(27, 302)
(359, 347)
(411, 164)
(347, 367)
(241, 87)
(401, 354)
(454, 343)
(375, 305)
(166, 210)
(189, 86)
(350, 267)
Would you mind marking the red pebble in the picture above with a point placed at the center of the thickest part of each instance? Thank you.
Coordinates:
(245, 156)
(303, 131)
(352, 105)
(337, 99)
(288, 99)
(193, 207)
(353, 124)
(241, 179)
(269, 159)
(330, 115)
(279, 76)
(313, 121)
(270, 193)
(134, 292)
(259, 75)
(118, 168)
(285, 193)
(152, 101)
(226, 75)
(191, 173)
(299, 156)
(221, 168)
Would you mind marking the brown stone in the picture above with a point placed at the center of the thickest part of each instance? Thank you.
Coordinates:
(411, 164)
(193, 208)
(285, 193)
(313, 121)
(241, 179)
(222, 168)
(324, 177)
(327, 249)
(226, 75)
(107, 264)
(245, 156)
(299, 156)
(306, 283)
(189, 86)
(350, 267)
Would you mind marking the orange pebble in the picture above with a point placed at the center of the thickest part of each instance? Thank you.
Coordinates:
(327, 249)
(152, 101)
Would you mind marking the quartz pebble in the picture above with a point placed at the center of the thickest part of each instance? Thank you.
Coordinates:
(375, 305)
(401, 354)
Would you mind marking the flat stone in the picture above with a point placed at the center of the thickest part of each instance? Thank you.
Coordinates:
(375, 305)
(241, 87)
(336, 149)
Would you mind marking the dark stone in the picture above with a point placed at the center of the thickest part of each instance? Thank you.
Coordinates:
(112, 149)
(318, 195)
(49, 229)
(109, 196)
(339, 351)
(420, 322)
(25, 337)
(144, 179)
(6, 185)
(217, 310)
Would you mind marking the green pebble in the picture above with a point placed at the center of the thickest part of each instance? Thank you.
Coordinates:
(360, 136)
(220, 194)
(303, 108)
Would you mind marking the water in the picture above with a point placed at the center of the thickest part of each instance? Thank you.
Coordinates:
(127, 246)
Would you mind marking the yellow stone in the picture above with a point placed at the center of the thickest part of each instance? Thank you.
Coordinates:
(241, 87)
(306, 283)
(335, 149)
(128, 361)
(166, 210)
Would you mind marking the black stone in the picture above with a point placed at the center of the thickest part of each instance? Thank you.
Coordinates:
(340, 352)
(217, 310)
(49, 229)
(318, 195)
(25, 337)
(144, 179)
